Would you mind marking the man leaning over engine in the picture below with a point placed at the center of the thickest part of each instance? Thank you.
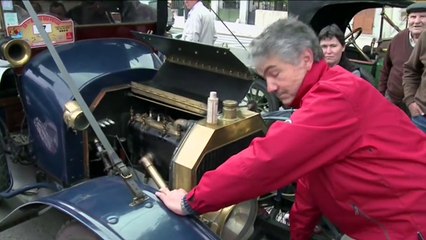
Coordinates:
(343, 146)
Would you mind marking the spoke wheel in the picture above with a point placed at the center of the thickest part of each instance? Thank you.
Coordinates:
(259, 100)
(72, 230)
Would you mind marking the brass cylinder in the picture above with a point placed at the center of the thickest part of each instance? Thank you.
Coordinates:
(230, 109)
(74, 117)
(16, 51)
(146, 161)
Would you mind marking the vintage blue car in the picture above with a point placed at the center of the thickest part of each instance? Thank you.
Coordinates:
(96, 115)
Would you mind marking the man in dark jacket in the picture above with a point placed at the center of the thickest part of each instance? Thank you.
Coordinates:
(345, 151)
(414, 83)
(399, 51)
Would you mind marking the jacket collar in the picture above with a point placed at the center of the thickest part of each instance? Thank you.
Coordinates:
(311, 78)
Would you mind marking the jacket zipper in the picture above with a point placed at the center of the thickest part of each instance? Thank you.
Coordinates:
(359, 212)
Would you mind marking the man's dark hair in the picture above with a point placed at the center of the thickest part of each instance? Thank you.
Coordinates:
(331, 31)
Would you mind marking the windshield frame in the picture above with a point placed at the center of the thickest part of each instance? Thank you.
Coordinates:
(157, 25)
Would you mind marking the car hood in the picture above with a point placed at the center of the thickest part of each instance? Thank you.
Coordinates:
(192, 70)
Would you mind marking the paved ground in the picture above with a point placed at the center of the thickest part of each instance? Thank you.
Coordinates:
(40, 228)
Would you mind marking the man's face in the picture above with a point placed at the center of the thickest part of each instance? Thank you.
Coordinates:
(416, 23)
(284, 79)
(190, 3)
(332, 50)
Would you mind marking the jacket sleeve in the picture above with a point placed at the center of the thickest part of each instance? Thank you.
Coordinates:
(304, 213)
(413, 70)
(387, 66)
(318, 136)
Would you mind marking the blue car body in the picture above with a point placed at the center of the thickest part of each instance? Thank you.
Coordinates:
(102, 204)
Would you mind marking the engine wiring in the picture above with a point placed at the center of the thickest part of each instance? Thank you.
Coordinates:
(16, 145)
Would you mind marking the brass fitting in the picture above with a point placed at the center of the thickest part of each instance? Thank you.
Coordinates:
(74, 117)
(229, 109)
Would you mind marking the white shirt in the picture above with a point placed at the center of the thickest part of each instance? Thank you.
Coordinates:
(199, 27)
(411, 39)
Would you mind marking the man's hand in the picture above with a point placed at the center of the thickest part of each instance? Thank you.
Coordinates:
(415, 109)
(172, 199)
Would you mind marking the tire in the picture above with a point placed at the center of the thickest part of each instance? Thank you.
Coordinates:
(4, 171)
(73, 230)
(259, 100)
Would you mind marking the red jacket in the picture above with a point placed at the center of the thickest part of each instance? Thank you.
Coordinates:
(359, 160)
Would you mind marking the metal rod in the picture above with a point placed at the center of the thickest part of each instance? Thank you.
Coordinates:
(238, 40)
(381, 24)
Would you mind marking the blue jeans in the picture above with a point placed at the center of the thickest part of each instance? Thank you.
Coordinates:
(420, 122)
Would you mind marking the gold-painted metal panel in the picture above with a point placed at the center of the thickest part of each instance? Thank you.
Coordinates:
(171, 99)
(201, 114)
(188, 156)
(194, 63)
(204, 138)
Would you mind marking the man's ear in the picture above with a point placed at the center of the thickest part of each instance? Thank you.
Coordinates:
(308, 58)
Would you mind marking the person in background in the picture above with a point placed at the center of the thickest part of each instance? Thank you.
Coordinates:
(58, 10)
(90, 12)
(414, 83)
(332, 42)
(399, 50)
(37, 7)
(199, 27)
(358, 171)
(135, 11)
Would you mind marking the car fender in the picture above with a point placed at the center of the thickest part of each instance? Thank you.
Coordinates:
(103, 205)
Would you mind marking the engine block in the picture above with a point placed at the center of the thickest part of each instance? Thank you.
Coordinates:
(183, 145)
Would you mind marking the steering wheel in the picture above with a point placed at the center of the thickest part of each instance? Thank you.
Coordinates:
(354, 35)
(350, 39)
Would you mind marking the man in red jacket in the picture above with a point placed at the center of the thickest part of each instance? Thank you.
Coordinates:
(343, 146)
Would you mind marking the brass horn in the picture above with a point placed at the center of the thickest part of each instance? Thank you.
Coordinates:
(16, 51)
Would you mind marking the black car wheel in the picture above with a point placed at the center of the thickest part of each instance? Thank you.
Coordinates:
(259, 100)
